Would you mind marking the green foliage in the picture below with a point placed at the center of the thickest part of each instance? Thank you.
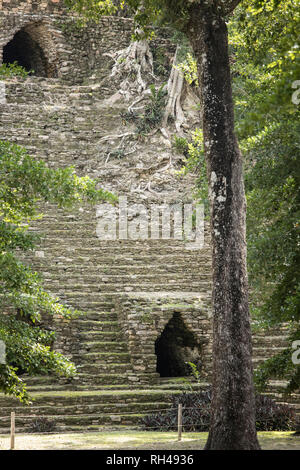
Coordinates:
(161, 63)
(11, 384)
(264, 38)
(24, 183)
(279, 367)
(12, 70)
(273, 214)
(194, 162)
(152, 113)
(146, 13)
(92, 9)
(42, 425)
(264, 43)
(189, 69)
(196, 414)
(194, 371)
(185, 60)
(28, 348)
(181, 145)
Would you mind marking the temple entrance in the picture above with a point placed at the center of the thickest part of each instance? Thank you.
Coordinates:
(30, 47)
(176, 346)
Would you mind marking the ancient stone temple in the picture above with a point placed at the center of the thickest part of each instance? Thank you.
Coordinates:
(146, 300)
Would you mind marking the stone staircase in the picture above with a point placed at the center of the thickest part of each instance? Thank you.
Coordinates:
(89, 274)
(65, 125)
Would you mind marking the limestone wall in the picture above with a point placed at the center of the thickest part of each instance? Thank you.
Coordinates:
(143, 317)
(29, 6)
(72, 52)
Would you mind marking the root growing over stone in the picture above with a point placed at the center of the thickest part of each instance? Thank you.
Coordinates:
(175, 88)
(134, 66)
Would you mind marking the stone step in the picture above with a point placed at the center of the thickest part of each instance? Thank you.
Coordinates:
(39, 138)
(90, 337)
(94, 244)
(101, 368)
(269, 341)
(94, 341)
(78, 299)
(84, 409)
(48, 380)
(25, 423)
(104, 326)
(258, 360)
(62, 429)
(64, 398)
(101, 252)
(55, 102)
(269, 333)
(53, 136)
(105, 378)
(135, 264)
(140, 263)
(75, 233)
(54, 387)
(98, 358)
(33, 95)
(113, 346)
(86, 376)
(85, 304)
(99, 316)
(84, 382)
(54, 139)
(82, 108)
(71, 285)
(132, 260)
(279, 386)
(104, 282)
(267, 350)
(293, 400)
(73, 221)
(91, 276)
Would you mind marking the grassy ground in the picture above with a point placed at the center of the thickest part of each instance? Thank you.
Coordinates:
(136, 440)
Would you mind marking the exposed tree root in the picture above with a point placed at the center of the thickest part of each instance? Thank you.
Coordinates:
(174, 88)
(115, 136)
(134, 66)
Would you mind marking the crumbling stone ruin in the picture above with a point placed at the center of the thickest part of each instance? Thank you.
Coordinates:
(146, 301)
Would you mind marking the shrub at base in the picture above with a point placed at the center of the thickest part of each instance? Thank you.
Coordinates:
(270, 416)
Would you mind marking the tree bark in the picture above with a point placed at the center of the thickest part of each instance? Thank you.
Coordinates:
(233, 400)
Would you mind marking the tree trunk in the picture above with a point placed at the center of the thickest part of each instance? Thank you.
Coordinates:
(233, 401)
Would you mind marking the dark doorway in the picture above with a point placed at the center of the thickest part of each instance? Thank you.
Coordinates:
(27, 53)
(176, 346)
